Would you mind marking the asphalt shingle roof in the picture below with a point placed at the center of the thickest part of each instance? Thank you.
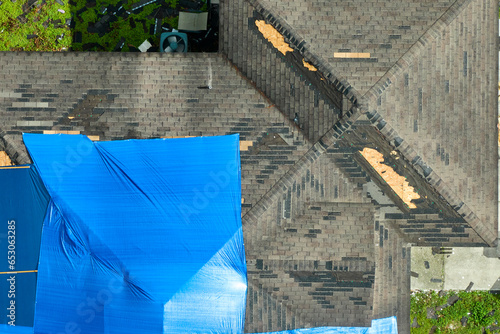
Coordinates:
(443, 105)
(384, 29)
(328, 242)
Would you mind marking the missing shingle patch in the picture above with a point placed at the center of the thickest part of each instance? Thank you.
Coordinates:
(273, 36)
(4, 159)
(64, 132)
(245, 145)
(351, 55)
(397, 182)
(309, 66)
(54, 132)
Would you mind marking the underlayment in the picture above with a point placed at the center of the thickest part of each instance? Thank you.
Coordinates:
(455, 269)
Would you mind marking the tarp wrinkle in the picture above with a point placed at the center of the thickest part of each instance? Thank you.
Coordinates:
(116, 169)
(140, 232)
(139, 236)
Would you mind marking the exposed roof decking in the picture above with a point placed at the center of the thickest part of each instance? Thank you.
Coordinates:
(287, 171)
(440, 105)
(385, 29)
(282, 77)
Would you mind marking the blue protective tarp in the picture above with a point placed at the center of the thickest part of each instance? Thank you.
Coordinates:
(7, 329)
(378, 326)
(384, 326)
(141, 236)
(23, 201)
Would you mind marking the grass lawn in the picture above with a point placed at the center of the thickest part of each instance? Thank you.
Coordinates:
(474, 312)
(45, 22)
(87, 25)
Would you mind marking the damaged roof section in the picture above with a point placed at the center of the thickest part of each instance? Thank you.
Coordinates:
(430, 220)
(273, 36)
(4, 159)
(383, 29)
(309, 66)
(364, 136)
(397, 182)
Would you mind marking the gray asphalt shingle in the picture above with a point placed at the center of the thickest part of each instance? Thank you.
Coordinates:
(316, 216)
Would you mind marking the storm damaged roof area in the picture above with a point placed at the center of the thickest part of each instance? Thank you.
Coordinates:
(273, 36)
(392, 173)
(397, 182)
(4, 159)
(360, 137)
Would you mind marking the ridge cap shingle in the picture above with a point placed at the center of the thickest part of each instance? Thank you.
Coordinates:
(434, 31)
(395, 73)
(299, 43)
(310, 156)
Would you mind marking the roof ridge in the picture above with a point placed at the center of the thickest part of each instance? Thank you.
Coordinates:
(409, 56)
(300, 44)
(310, 156)
(432, 178)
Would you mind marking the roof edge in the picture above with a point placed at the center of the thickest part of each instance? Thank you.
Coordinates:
(18, 155)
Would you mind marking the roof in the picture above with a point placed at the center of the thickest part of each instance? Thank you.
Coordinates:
(443, 107)
(384, 29)
(316, 214)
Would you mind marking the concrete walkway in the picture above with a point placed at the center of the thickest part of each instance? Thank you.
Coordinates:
(455, 269)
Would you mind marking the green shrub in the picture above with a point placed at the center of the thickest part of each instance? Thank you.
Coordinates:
(476, 306)
(479, 314)
(89, 16)
(48, 37)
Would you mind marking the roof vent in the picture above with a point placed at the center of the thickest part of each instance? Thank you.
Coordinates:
(173, 42)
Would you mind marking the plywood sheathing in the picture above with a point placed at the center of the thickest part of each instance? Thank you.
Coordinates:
(273, 36)
(245, 144)
(309, 66)
(53, 132)
(397, 182)
(4, 159)
(351, 55)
